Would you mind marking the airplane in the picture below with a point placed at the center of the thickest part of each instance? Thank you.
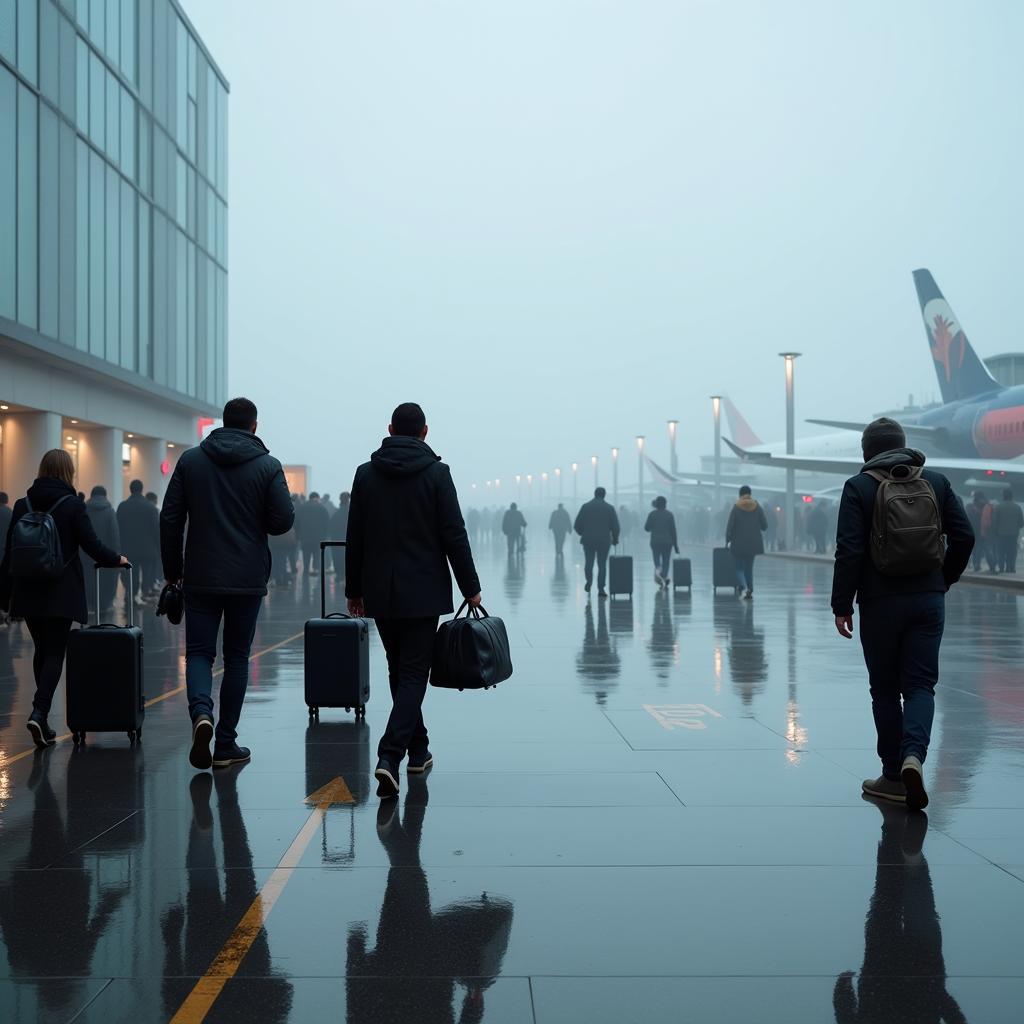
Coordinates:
(975, 433)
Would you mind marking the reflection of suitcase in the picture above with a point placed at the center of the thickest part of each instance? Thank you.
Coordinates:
(104, 676)
(620, 575)
(723, 569)
(337, 656)
(681, 574)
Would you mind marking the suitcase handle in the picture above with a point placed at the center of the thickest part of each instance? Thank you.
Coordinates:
(479, 612)
(323, 579)
(129, 599)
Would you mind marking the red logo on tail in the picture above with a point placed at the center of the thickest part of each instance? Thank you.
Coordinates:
(943, 340)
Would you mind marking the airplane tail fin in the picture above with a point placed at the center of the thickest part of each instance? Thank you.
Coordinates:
(739, 427)
(961, 373)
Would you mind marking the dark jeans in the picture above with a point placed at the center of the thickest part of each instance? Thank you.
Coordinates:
(1007, 553)
(662, 559)
(900, 635)
(409, 645)
(744, 571)
(600, 553)
(559, 543)
(50, 637)
(203, 613)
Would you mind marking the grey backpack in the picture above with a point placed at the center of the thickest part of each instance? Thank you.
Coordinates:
(906, 526)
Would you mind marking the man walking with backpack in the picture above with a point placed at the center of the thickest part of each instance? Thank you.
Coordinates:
(891, 557)
(230, 493)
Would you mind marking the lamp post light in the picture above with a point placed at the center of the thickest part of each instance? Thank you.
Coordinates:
(575, 482)
(615, 477)
(558, 477)
(790, 358)
(716, 409)
(673, 430)
(593, 462)
(529, 489)
(519, 488)
(640, 440)
(544, 487)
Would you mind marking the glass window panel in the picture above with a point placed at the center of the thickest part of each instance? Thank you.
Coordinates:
(128, 39)
(211, 127)
(97, 100)
(222, 334)
(193, 67)
(82, 225)
(222, 140)
(181, 320)
(145, 179)
(128, 133)
(8, 37)
(211, 331)
(98, 22)
(28, 39)
(192, 125)
(113, 117)
(143, 346)
(191, 317)
(82, 85)
(28, 207)
(68, 239)
(112, 44)
(127, 254)
(113, 247)
(82, 12)
(181, 85)
(68, 59)
(161, 169)
(49, 223)
(49, 51)
(191, 227)
(97, 256)
(159, 298)
(181, 188)
(161, 56)
(8, 191)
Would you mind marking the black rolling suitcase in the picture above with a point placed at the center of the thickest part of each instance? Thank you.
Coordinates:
(723, 569)
(104, 675)
(620, 575)
(682, 575)
(337, 656)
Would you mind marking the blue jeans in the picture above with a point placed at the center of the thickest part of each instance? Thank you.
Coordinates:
(662, 559)
(598, 552)
(203, 613)
(744, 571)
(901, 635)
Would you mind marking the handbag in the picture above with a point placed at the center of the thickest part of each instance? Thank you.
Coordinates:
(471, 652)
(171, 603)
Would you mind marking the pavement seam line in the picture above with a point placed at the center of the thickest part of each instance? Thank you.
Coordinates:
(6, 761)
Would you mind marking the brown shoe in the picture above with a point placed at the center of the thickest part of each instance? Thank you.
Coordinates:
(885, 789)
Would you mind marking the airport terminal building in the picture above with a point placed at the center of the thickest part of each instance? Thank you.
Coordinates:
(113, 238)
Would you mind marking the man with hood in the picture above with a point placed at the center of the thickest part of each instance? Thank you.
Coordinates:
(560, 525)
(405, 528)
(230, 493)
(744, 536)
(902, 612)
(104, 521)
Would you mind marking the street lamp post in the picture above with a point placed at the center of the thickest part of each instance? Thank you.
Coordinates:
(640, 439)
(544, 487)
(519, 488)
(558, 477)
(615, 477)
(716, 409)
(575, 482)
(593, 462)
(789, 532)
(673, 430)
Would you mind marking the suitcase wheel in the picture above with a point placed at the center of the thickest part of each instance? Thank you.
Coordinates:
(361, 711)
(313, 712)
(134, 735)
(78, 738)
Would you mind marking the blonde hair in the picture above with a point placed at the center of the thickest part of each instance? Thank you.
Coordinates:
(58, 464)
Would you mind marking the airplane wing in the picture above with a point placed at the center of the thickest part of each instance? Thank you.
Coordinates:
(959, 469)
(912, 430)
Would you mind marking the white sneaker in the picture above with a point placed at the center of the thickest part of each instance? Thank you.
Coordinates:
(913, 778)
(658, 578)
(140, 600)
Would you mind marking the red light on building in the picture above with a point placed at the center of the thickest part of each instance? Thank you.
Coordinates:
(808, 499)
(165, 467)
(988, 472)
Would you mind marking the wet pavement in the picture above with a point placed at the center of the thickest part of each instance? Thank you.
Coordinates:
(657, 819)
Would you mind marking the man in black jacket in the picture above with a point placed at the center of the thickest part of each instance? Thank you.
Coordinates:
(316, 526)
(598, 527)
(231, 493)
(139, 524)
(104, 521)
(902, 616)
(404, 529)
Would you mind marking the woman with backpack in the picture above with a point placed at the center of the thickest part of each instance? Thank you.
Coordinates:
(41, 579)
(661, 525)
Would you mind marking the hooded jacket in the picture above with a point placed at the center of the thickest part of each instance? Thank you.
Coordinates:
(855, 575)
(231, 493)
(744, 533)
(64, 597)
(405, 528)
(661, 525)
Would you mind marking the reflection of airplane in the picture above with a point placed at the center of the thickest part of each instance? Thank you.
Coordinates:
(973, 435)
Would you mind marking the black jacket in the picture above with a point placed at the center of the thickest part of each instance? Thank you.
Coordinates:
(855, 573)
(513, 522)
(404, 528)
(139, 524)
(232, 493)
(560, 522)
(5, 522)
(315, 524)
(104, 521)
(597, 523)
(745, 529)
(661, 525)
(1007, 519)
(64, 597)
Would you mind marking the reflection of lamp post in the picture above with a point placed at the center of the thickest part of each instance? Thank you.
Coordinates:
(716, 409)
(790, 358)
(593, 462)
(640, 471)
(575, 481)
(673, 430)
(558, 477)
(615, 477)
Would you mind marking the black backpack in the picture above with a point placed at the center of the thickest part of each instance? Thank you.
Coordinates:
(906, 525)
(36, 552)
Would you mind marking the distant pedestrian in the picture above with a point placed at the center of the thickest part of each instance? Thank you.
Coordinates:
(339, 529)
(513, 523)
(104, 522)
(139, 523)
(979, 513)
(316, 524)
(598, 527)
(661, 525)
(560, 524)
(223, 500)
(473, 523)
(744, 536)
(817, 525)
(891, 557)
(405, 529)
(1007, 521)
(5, 522)
(50, 604)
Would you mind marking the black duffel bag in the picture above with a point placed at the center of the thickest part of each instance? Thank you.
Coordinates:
(471, 653)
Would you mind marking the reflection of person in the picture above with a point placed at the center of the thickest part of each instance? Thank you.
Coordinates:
(663, 636)
(903, 977)
(464, 942)
(744, 537)
(598, 527)
(560, 525)
(661, 525)
(598, 661)
(747, 662)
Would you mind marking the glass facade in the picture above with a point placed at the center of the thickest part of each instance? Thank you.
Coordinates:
(113, 187)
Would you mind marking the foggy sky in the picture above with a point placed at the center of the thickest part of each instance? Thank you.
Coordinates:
(559, 223)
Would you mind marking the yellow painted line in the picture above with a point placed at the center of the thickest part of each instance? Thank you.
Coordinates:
(226, 963)
(5, 761)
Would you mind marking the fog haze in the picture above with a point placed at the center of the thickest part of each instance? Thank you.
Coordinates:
(559, 224)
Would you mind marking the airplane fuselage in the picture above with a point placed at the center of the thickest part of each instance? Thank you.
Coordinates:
(987, 427)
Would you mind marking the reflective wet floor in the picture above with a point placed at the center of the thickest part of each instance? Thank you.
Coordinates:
(657, 819)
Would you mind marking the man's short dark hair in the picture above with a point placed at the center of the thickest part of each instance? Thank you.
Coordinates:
(135, 487)
(4, 498)
(408, 420)
(314, 495)
(99, 491)
(744, 491)
(882, 435)
(240, 414)
(152, 496)
(599, 492)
